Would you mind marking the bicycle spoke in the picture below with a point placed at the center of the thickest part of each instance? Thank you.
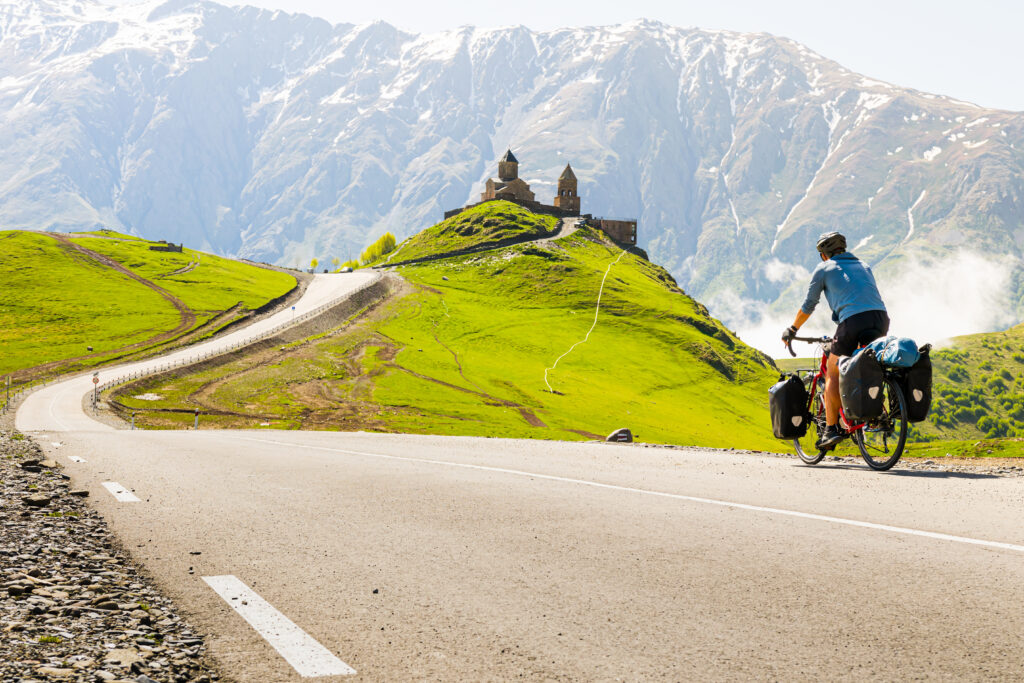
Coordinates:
(881, 440)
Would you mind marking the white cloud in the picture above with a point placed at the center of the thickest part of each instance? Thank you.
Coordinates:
(777, 271)
(929, 300)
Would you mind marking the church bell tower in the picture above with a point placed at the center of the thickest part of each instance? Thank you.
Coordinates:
(567, 198)
(508, 167)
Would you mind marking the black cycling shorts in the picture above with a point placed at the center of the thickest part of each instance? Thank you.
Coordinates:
(859, 330)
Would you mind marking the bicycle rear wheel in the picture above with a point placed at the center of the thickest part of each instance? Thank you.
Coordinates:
(806, 448)
(881, 440)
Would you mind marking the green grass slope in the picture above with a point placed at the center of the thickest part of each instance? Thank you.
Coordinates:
(208, 285)
(56, 301)
(463, 350)
(481, 226)
(978, 395)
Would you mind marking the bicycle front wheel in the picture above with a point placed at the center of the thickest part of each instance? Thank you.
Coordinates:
(806, 448)
(881, 440)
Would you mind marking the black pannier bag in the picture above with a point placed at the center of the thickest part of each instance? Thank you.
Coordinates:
(860, 386)
(787, 401)
(916, 384)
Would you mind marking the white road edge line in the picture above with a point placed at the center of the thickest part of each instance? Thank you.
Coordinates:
(308, 657)
(75, 458)
(121, 493)
(662, 494)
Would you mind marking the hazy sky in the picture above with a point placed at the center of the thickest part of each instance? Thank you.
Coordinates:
(968, 50)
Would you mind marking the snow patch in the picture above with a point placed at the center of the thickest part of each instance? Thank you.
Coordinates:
(910, 215)
(932, 153)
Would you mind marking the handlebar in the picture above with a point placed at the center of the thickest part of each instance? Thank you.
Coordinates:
(809, 340)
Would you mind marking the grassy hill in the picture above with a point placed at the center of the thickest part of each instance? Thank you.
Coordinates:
(482, 226)
(978, 400)
(59, 296)
(463, 345)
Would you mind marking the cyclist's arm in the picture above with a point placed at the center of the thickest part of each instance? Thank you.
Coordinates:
(801, 318)
(814, 291)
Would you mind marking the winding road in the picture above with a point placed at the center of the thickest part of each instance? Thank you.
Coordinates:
(342, 556)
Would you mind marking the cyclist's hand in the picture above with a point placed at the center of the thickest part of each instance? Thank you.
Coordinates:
(788, 335)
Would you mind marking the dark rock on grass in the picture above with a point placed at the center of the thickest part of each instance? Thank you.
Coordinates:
(620, 436)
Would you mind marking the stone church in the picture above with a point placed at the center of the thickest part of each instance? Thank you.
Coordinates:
(510, 187)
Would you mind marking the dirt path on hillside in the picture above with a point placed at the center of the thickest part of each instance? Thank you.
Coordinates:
(187, 318)
(566, 227)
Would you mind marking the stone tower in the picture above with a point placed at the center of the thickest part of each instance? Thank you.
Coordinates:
(567, 198)
(508, 167)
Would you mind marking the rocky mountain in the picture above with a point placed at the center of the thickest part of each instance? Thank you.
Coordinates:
(281, 137)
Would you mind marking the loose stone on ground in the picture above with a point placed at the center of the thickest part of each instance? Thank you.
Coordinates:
(72, 605)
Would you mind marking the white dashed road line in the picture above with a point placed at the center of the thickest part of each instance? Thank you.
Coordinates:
(307, 656)
(75, 458)
(661, 494)
(120, 492)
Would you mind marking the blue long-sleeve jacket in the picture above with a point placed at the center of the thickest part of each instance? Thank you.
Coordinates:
(849, 287)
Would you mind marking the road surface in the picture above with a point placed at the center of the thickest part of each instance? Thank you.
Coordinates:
(428, 558)
(59, 407)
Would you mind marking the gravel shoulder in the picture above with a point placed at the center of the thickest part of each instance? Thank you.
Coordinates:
(73, 605)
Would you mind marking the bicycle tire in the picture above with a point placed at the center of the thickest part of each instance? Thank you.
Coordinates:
(818, 421)
(896, 410)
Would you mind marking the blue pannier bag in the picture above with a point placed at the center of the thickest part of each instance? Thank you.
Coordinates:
(895, 352)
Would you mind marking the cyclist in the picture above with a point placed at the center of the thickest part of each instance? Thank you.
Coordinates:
(857, 307)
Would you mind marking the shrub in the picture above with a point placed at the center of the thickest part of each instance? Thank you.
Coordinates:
(958, 373)
(382, 247)
(1007, 375)
(996, 385)
(963, 414)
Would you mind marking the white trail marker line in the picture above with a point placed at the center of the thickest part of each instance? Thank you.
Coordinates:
(597, 310)
(75, 458)
(120, 492)
(307, 656)
(662, 494)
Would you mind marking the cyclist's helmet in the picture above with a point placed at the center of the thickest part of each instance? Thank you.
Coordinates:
(831, 243)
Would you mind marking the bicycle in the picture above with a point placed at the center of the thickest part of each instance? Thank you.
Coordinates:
(880, 440)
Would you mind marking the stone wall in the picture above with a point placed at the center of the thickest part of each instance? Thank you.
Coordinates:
(619, 229)
(165, 246)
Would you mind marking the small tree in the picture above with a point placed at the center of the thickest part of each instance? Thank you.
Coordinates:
(382, 247)
(335, 262)
(313, 264)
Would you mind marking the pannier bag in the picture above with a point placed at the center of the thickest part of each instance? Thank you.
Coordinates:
(895, 352)
(916, 384)
(860, 386)
(787, 401)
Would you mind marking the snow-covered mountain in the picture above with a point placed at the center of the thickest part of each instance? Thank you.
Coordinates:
(281, 137)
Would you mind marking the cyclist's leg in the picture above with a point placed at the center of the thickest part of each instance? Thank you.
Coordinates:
(832, 398)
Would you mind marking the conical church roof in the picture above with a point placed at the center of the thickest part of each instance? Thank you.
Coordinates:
(567, 174)
(509, 157)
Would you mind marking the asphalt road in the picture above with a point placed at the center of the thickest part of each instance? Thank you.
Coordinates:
(58, 407)
(430, 558)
